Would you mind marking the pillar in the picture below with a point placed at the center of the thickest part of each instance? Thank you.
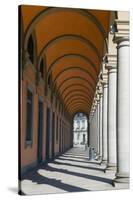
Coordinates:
(121, 37)
(98, 131)
(104, 122)
(100, 124)
(111, 119)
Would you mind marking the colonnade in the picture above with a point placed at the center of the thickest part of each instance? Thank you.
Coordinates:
(109, 115)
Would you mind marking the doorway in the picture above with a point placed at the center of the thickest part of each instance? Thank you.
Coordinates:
(60, 136)
(47, 134)
(40, 130)
(53, 134)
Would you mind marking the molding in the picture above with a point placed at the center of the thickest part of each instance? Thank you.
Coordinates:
(111, 62)
(122, 31)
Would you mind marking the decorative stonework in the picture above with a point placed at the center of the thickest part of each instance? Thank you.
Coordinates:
(122, 31)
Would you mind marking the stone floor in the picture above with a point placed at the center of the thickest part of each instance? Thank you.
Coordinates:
(70, 172)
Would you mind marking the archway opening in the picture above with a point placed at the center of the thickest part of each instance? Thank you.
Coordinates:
(80, 130)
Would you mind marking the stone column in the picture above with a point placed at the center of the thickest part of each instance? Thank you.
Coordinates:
(100, 123)
(104, 121)
(121, 37)
(98, 131)
(91, 127)
(111, 118)
(96, 127)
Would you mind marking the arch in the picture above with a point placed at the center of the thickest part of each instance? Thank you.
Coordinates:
(78, 68)
(75, 90)
(77, 107)
(73, 113)
(74, 77)
(79, 92)
(69, 86)
(79, 104)
(32, 48)
(70, 55)
(70, 36)
(81, 111)
(77, 110)
(77, 100)
(73, 102)
(69, 68)
(51, 10)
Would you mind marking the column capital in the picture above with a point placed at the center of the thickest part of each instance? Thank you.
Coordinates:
(121, 31)
(104, 75)
(111, 62)
(99, 89)
(104, 80)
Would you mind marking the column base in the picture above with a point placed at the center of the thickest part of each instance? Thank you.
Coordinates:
(100, 159)
(104, 164)
(111, 167)
(97, 157)
(121, 179)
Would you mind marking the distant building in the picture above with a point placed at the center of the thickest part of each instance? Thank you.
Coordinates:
(80, 129)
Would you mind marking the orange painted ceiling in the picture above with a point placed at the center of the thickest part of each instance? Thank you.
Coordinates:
(73, 42)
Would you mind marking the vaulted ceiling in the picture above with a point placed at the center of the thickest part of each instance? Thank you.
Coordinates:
(73, 42)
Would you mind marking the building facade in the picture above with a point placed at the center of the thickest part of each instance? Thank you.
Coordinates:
(80, 130)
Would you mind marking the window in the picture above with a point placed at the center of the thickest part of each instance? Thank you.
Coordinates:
(30, 49)
(42, 68)
(29, 116)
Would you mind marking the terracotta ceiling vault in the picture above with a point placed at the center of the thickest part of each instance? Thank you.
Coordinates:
(72, 42)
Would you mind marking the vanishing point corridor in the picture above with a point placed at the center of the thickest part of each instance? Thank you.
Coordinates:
(73, 61)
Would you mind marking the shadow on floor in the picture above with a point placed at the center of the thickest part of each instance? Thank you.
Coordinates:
(86, 159)
(79, 166)
(77, 174)
(74, 160)
(39, 179)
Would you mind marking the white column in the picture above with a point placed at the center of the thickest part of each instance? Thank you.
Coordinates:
(96, 128)
(98, 131)
(104, 125)
(111, 119)
(100, 124)
(123, 111)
